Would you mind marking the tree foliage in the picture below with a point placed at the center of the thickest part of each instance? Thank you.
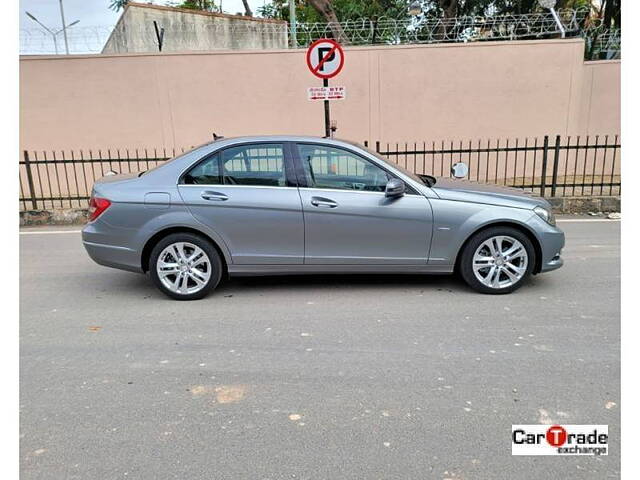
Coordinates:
(371, 9)
(204, 5)
(327, 11)
(117, 4)
(345, 10)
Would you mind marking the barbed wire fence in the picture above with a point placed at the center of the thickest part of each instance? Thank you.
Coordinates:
(600, 42)
(82, 39)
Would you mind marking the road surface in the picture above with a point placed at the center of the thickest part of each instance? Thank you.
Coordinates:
(394, 377)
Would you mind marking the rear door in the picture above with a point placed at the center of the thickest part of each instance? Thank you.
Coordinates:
(247, 194)
(348, 218)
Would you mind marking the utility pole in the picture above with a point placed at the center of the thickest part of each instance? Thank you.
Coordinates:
(53, 34)
(292, 22)
(64, 29)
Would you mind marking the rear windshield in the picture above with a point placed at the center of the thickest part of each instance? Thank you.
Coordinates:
(175, 158)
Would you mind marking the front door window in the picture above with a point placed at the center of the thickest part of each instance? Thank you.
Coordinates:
(334, 168)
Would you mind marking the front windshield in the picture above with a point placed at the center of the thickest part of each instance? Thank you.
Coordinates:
(408, 173)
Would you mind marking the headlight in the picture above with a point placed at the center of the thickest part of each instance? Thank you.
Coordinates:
(546, 215)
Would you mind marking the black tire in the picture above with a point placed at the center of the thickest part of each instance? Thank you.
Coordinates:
(465, 265)
(209, 250)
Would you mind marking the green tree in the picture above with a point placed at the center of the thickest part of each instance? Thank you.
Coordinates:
(611, 14)
(117, 4)
(345, 10)
(312, 11)
(205, 5)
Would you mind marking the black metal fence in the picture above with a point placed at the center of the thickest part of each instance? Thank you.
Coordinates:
(64, 179)
(547, 166)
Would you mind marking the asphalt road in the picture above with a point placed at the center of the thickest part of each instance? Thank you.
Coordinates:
(403, 377)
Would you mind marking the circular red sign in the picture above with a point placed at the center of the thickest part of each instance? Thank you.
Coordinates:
(325, 50)
(556, 436)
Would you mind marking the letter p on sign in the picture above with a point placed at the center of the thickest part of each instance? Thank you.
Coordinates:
(325, 58)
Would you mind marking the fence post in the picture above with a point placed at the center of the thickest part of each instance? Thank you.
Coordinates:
(543, 180)
(556, 160)
(377, 146)
(366, 143)
(32, 190)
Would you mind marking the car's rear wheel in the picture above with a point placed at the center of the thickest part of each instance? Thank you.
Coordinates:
(497, 260)
(185, 266)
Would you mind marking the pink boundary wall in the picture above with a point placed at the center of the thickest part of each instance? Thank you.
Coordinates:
(394, 94)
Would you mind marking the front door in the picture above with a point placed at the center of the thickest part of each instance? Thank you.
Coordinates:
(244, 194)
(349, 220)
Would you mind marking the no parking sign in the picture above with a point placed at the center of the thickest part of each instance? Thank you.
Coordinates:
(325, 59)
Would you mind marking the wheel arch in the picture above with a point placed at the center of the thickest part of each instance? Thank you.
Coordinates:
(518, 226)
(156, 237)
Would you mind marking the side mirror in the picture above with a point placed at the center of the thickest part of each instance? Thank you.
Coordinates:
(395, 188)
(459, 170)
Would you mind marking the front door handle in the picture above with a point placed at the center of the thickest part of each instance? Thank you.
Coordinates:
(214, 196)
(323, 202)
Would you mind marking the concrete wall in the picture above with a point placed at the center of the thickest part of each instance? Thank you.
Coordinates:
(189, 30)
(397, 93)
(600, 90)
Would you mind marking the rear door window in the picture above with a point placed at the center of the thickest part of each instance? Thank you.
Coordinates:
(207, 172)
(254, 164)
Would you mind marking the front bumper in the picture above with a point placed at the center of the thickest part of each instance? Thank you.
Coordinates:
(551, 240)
(553, 264)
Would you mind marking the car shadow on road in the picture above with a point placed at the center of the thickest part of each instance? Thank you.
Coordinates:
(449, 283)
(141, 286)
(122, 283)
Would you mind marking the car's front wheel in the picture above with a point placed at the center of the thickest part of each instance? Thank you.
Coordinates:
(497, 260)
(185, 266)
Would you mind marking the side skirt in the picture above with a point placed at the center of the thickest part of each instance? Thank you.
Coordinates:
(252, 270)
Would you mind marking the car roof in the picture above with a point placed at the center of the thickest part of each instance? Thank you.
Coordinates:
(281, 138)
(182, 160)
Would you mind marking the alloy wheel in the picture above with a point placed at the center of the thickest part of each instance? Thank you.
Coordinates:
(500, 261)
(183, 268)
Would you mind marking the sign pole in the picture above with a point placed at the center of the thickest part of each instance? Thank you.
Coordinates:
(325, 59)
(327, 112)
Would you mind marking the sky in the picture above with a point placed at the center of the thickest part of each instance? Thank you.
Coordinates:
(95, 12)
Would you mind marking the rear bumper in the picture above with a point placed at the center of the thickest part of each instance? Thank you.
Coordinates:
(102, 250)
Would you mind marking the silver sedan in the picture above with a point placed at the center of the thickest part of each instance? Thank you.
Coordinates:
(305, 205)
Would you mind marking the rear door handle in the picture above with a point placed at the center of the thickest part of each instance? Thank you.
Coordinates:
(214, 196)
(323, 202)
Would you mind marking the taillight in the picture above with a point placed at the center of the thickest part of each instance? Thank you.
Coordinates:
(97, 205)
